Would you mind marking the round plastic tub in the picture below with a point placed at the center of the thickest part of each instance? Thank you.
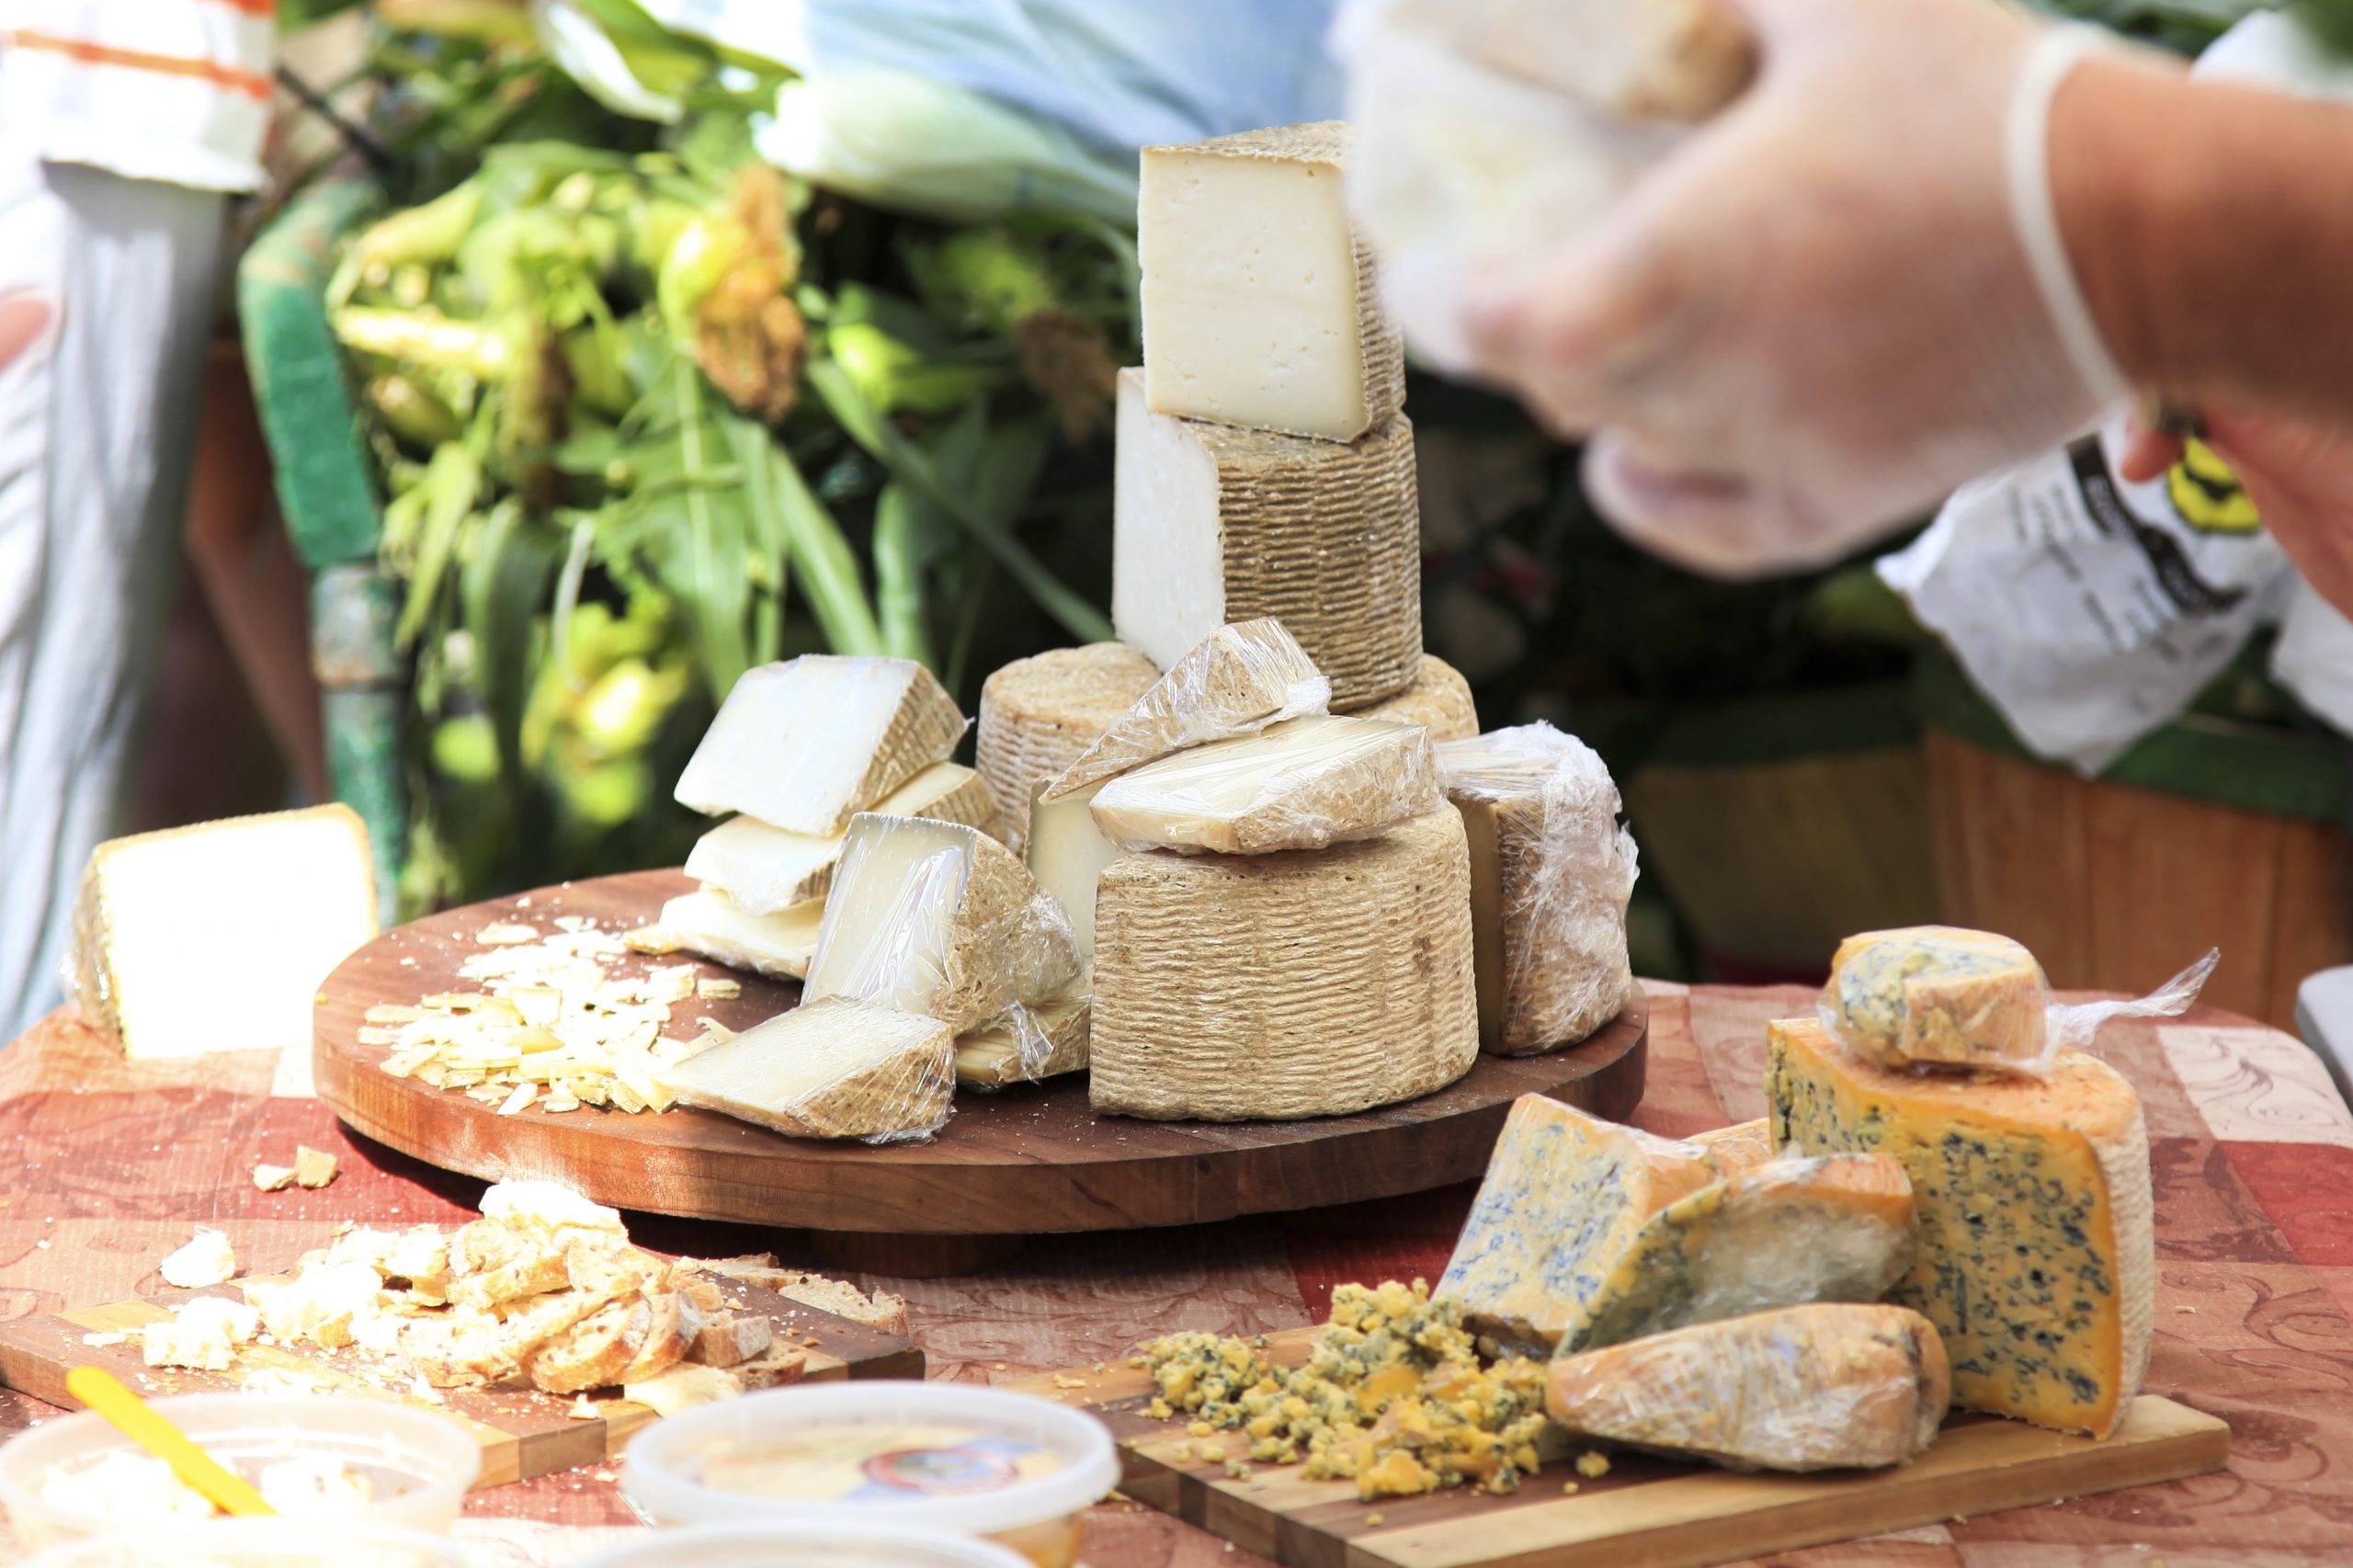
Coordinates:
(255, 1543)
(420, 1463)
(841, 1546)
(806, 1459)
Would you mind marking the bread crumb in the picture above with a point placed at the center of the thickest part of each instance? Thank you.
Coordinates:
(1372, 1519)
(314, 1168)
(207, 1259)
(1568, 1489)
(273, 1178)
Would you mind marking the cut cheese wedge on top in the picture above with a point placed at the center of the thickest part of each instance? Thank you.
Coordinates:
(779, 945)
(1837, 1228)
(1236, 681)
(1564, 1196)
(1067, 854)
(1639, 60)
(1742, 1146)
(804, 744)
(1829, 1386)
(829, 1069)
(1939, 995)
(2038, 1249)
(1039, 714)
(1304, 784)
(1260, 303)
(938, 918)
(1026, 1045)
(763, 868)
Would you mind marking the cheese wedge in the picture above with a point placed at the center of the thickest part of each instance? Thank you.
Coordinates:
(779, 945)
(763, 870)
(218, 936)
(1440, 700)
(1836, 1228)
(829, 1069)
(1564, 1196)
(2038, 1253)
(1211, 525)
(1830, 1386)
(1039, 715)
(1067, 854)
(938, 918)
(1663, 59)
(1026, 1045)
(1304, 784)
(1260, 304)
(804, 744)
(1742, 1146)
(1275, 986)
(1941, 995)
(1236, 681)
(1551, 874)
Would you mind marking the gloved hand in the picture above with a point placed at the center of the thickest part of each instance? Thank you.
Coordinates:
(2298, 473)
(1818, 312)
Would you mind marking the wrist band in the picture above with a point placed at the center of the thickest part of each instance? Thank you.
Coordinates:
(2025, 136)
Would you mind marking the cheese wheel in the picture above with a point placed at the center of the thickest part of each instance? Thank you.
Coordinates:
(1039, 715)
(1438, 701)
(1305, 983)
(1939, 995)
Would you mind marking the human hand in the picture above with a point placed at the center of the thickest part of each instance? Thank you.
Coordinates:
(24, 316)
(2298, 474)
(1817, 315)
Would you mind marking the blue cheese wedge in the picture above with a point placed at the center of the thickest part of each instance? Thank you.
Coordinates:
(1940, 996)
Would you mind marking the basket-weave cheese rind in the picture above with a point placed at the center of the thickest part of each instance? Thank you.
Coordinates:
(2038, 1247)
(1213, 524)
(779, 945)
(1940, 994)
(1823, 1387)
(1665, 60)
(1026, 1045)
(1039, 715)
(1438, 701)
(805, 743)
(1275, 986)
(1235, 681)
(1304, 784)
(1261, 303)
(763, 870)
(829, 1069)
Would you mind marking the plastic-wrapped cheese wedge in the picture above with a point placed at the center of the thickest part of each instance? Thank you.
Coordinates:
(1940, 995)
(1829, 1386)
(1039, 714)
(1551, 874)
(803, 744)
(1026, 1045)
(938, 918)
(1742, 1146)
(1260, 307)
(1067, 854)
(779, 945)
(1837, 1228)
(763, 870)
(1236, 681)
(2038, 1246)
(1302, 784)
(829, 1069)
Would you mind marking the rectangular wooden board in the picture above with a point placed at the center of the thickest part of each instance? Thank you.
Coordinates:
(523, 1433)
(1646, 1512)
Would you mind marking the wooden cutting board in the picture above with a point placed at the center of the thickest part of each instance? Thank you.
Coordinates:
(1646, 1512)
(523, 1433)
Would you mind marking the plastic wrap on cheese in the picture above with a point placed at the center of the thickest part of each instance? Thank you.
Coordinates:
(1308, 783)
(829, 1069)
(1942, 996)
(1236, 681)
(1028, 1043)
(1551, 871)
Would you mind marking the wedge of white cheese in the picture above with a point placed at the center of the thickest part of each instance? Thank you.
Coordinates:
(1026, 1045)
(1304, 784)
(779, 945)
(763, 868)
(829, 1069)
(1067, 853)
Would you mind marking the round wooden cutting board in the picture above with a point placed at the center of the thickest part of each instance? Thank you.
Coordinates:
(1022, 1161)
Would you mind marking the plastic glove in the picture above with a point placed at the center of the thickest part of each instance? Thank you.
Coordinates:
(1816, 315)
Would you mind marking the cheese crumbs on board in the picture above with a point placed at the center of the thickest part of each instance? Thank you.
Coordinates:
(1393, 1396)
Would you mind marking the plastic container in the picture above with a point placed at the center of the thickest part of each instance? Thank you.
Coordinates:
(808, 1459)
(255, 1543)
(843, 1546)
(421, 1463)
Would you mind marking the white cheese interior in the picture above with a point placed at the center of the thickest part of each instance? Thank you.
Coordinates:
(1185, 798)
(892, 912)
(777, 943)
(1067, 853)
(763, 868)
(819, 1059)
(1169, 540)
(794, 741)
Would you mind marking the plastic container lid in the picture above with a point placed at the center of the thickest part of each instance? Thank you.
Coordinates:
(428, 1460)
(836, 1546)
(255, 1543)
(966, 1487)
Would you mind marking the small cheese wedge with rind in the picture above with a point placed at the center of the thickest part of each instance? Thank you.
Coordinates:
(1742, 1146)
(779, 945)
(1939, 995)
(1067, 853)
(829, 1069)
(763, 870)
(1029, 1044)
(1236, 681)
(1304, 784)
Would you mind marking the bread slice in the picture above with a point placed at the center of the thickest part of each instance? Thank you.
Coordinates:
(731, 1341)
(668, 1334)
(593, 1352)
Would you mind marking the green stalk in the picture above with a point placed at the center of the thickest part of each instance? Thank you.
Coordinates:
(424, 337)
(898, 576)
(828, 567)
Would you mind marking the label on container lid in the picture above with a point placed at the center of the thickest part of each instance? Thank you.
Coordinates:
(879, 1462)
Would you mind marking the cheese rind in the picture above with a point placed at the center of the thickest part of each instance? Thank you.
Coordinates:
(1026, 1045)
(1440, 700)
(1261, 306)
(1742, 1146)
(1564, 1196)
(2037, 1252)
(1551, 874)
(938, 918)
(1940, 994)
(803, 744)
(1212, 525)
(1236, 681)
(1296, 984)
(829, 1069)
(218, 936)
(1837, 1228)
(779, 945)
(1304, 784)
(1821, 1387)
(1067, 854)
(762, 869)
(1039, 715)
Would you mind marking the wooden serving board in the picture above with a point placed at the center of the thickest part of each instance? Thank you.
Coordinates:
(523, 1433)
(1646, 1512)
(1027, 1160)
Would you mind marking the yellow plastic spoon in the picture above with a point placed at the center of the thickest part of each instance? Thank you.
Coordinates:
(139, 1421)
